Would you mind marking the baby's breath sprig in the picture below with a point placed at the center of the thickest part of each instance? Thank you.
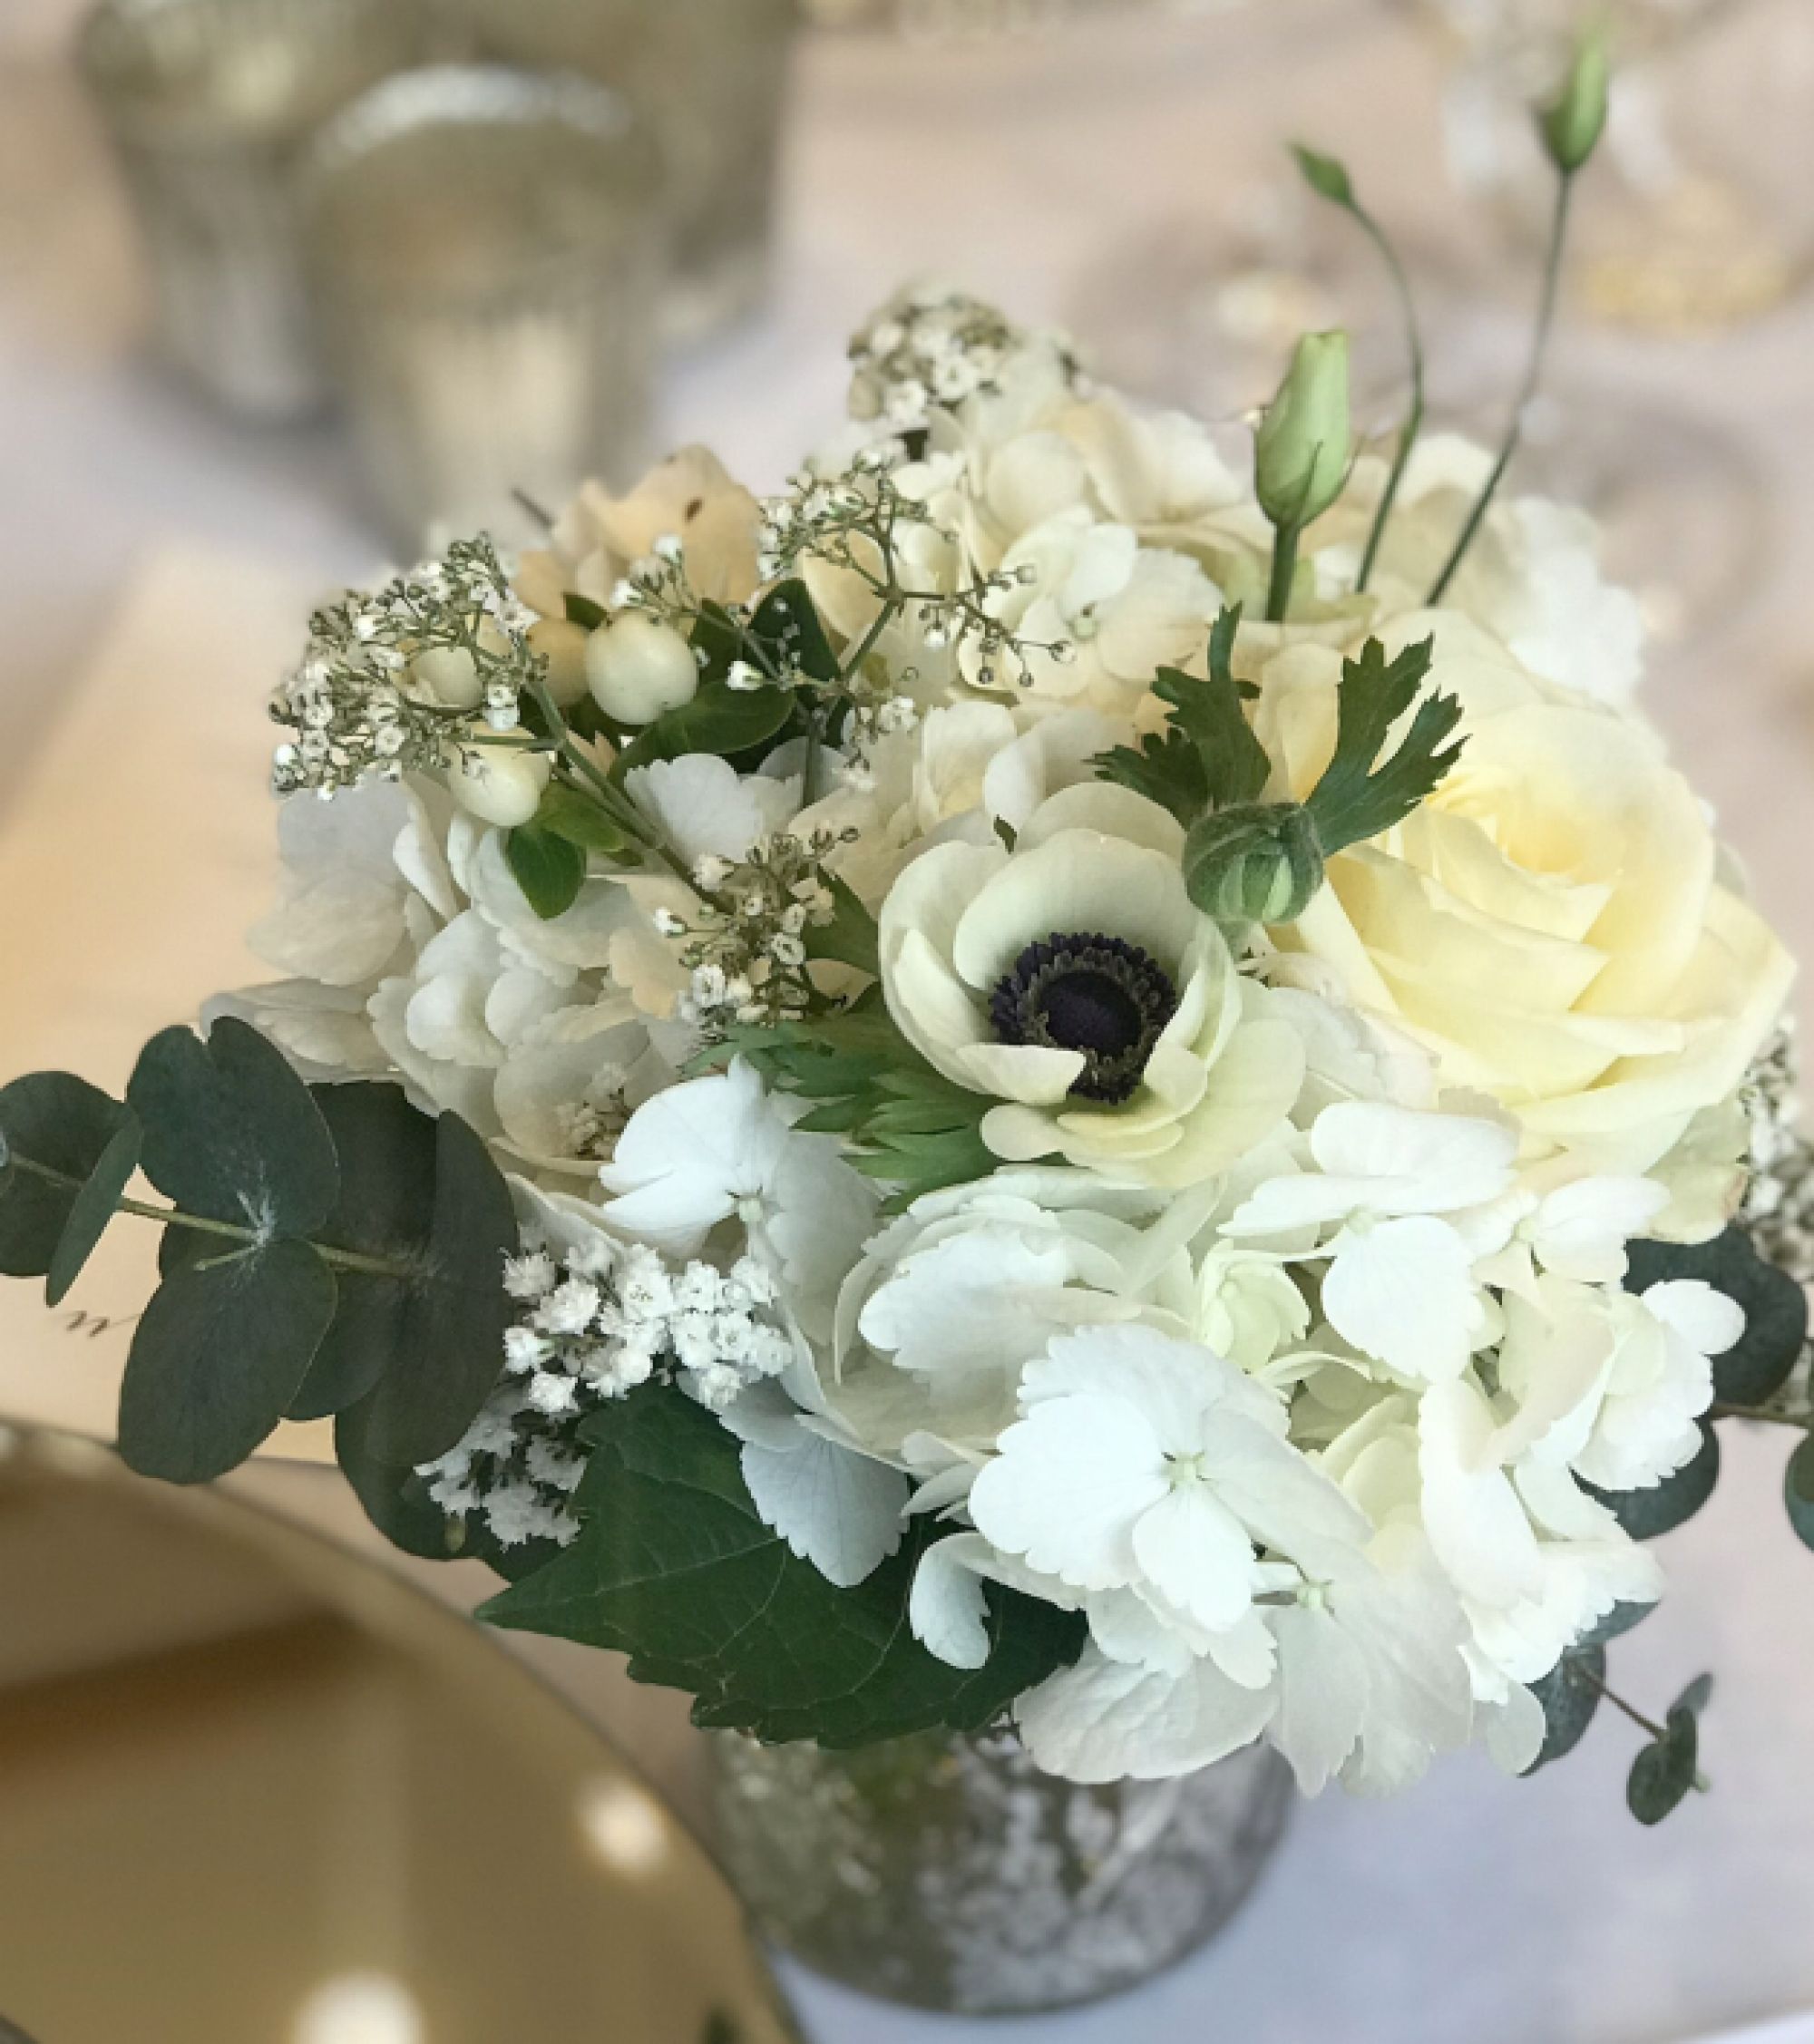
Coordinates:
(933, 349)
(748, 952)
(390, 681)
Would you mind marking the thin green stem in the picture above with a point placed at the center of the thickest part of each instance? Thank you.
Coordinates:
(1413, 427)
(1284, 572)
(1546, 321)
(225, 1231)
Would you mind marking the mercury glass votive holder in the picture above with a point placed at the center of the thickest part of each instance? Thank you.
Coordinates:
(208, 104)
(487, 251)
(711, 77)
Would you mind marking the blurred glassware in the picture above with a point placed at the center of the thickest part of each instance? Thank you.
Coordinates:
(487, 246)
(208, 103)
(1702, 214)
(711, 78)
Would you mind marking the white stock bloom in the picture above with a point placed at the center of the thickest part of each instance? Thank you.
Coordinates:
(1073, 981)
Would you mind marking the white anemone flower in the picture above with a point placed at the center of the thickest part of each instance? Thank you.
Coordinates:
(1073, 980)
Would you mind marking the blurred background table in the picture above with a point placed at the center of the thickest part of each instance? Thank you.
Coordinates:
(132, 835)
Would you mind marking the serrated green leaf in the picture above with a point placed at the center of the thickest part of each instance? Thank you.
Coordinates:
(91, 1209)
(551, 869)
(1325, 176)
(1570, 1695)
(850, 937)
(1798, 1491)
(1208, 757)
(1359, 796)
(447, 1346)
(1647, 1515)
(230, 1131)
(675, 1568)
(63, 1122)
(566, 813)
(720, 719)
(219, 1355)
(1775, 1308)
(1664, 1772)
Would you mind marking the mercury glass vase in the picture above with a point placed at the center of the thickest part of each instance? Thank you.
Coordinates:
(951, 1874)
(711, 78)
(487, 246)
(208, 103)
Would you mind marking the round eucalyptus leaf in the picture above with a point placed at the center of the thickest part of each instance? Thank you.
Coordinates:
(1647, 1513)
(92, 1208)
(61, 1122)
(218, 1357)
(1570, 1695)
(1798, 1491)
(230, 1131)
(395, 1499)
(1664, 1772)
(1775, 1308)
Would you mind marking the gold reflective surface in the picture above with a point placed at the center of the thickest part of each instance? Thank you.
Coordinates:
(256, 1791)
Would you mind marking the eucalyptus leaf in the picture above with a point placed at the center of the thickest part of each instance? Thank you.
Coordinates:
(218, 1358)
(549, 869)
(230, 1131)
(92, 1208)
(1664, 1772)
(1696, 1696)
(1798, 1490)
(59, 1120)
(1617, 1622)
(1570, 1694)
(1647, 1513)
(395, 1499)
(675, 1568)
(1775, 1308)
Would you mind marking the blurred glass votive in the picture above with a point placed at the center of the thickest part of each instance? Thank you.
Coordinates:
(487, 246)
(711, 77)
(208, 103)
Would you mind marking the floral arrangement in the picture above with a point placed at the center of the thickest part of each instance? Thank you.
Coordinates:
(1068, 1074)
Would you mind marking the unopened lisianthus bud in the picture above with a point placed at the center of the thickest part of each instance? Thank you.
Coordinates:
(1573, 123)
(638, 667)
(499, 785)
(1256, 863)
(1301, 451)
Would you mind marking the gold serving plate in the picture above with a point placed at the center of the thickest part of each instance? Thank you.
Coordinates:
(254, 1790)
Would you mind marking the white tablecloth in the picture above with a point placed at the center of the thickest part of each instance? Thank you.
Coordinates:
(1474, 1910)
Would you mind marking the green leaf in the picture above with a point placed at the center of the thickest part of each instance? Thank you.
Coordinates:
(446, 1329)
(719, 719)
(1208, 757)
(230, 1131)
(1798, 1490)
(582, 610)
(1775, 1308)
(69, 1127)
(92, 1208)
(1570, 1695)
(551, 869)
(218, 1358)
(787, 621)
(850, 938)
(1325, 176)
(1647, 1513)
(675, 1568)
(1664, 1772)
(569, 814)
(1695, 1698)
(1358, 797)
(395, 1499)
(1621, 1618)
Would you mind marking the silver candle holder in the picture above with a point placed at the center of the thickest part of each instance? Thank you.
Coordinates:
(208, 103)
(487, 247)
(711, 77)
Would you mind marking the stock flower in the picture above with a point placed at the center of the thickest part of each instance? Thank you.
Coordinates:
(1556, 922)
(1073, 981)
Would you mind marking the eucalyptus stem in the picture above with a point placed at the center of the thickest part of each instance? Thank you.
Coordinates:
(1285, 540)
(1546, 321)
(1413, 427)
(227, 1231)
(1765, 1413)
(1648, 1725)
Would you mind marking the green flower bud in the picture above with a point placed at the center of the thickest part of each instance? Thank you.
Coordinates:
(1254, 862)
(1302, 447)
(1572, 124)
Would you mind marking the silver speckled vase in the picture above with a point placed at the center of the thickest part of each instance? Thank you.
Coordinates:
(951, 1875)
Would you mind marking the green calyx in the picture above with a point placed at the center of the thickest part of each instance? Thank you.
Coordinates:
(1259, 862)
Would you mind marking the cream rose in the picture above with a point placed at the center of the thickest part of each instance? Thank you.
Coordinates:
(1555, 923)
(1073, 981)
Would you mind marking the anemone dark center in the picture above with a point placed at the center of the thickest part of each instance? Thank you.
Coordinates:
(1099, 995)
